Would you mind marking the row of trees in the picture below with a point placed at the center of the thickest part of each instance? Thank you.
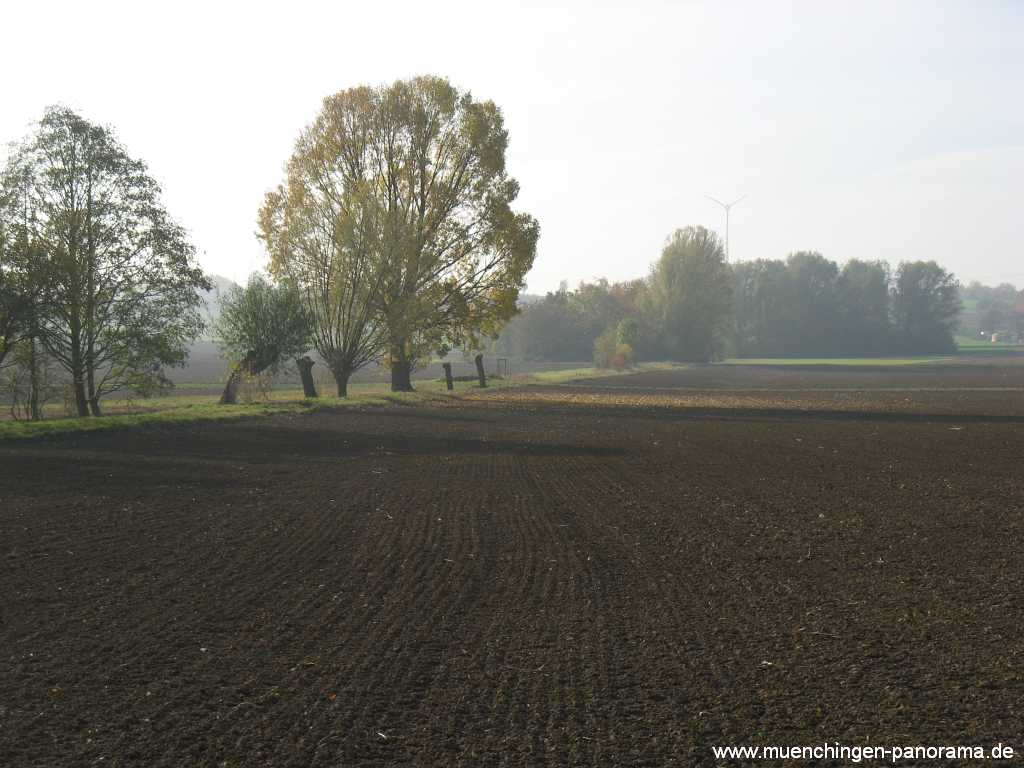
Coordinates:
(695, 306)
(392, 237)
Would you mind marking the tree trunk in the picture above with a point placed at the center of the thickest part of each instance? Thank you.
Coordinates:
(81, 402)
(479, 360)
(90, 379)
(306, 373)
(401, 369)
(35, 409)
(449, 384)
(90, 388)
(78, 374)
(341, 376)
(236, 379)
(230, 394)
(90, 383)
(401, 376)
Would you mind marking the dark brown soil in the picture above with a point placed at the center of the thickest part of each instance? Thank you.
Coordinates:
(1003, 372)
(519, 580)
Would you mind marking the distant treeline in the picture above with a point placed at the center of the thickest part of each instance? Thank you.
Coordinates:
(808, 306)
(992, 311)
(695, 306)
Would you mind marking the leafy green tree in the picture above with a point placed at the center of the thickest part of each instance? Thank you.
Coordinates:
(23, 271)
(564, 324)
(604, 349)
(862, 297)
(984, 309)
(989, 309)
(419, 168)
(24, 298)
(806, 306)
(15, 300)
(925, 306)
(123, 276)
(691, 295)
(627, 331)
(610, 351)
(762, 294)
(30, 379)
(596, 307)
(811, 306)
(324, 235)
(549, 328)
(261, 327)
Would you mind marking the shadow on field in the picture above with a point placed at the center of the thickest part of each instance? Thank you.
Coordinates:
(270, 440)
(739, 414)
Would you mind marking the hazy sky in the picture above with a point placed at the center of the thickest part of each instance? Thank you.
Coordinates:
(889, 131)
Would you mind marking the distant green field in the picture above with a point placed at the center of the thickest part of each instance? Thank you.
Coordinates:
(980, 347)
(970, 342)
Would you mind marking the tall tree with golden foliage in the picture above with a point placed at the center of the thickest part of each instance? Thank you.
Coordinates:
(397, 198)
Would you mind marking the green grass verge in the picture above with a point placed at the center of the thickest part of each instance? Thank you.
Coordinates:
(122, 414)
(182, 409)
(172, 414)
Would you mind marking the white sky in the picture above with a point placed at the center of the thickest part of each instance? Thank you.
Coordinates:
(890, 130)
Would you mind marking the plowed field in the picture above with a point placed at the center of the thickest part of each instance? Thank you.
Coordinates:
(624, 572)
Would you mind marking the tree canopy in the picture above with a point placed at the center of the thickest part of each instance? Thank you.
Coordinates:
(690, 295)
(122, 274)
(405, 186)
(324, 239)
(15, 295)
(261, 327)
(925, 305)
